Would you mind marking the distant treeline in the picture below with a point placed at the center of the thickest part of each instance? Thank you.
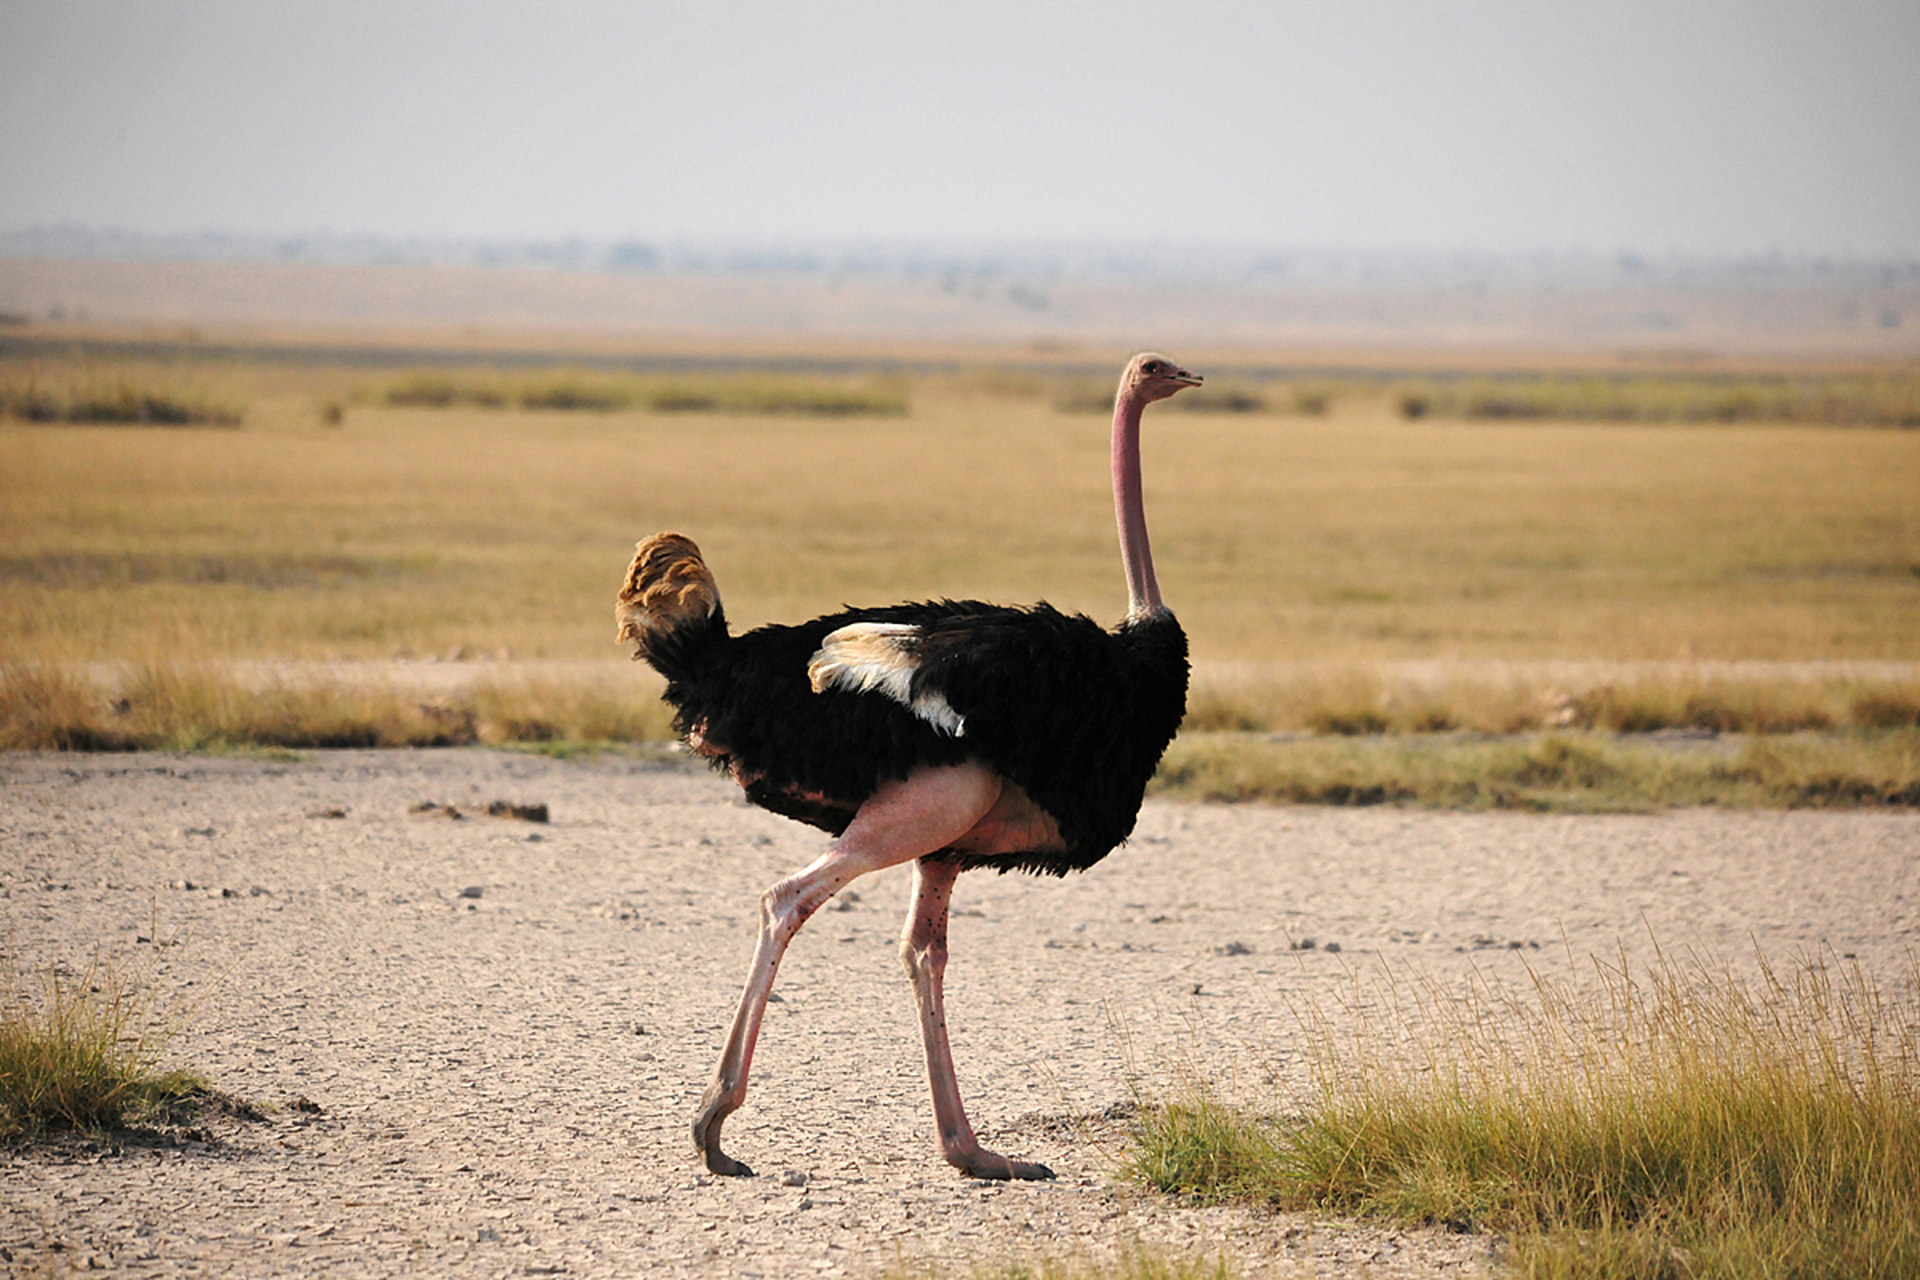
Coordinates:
(169, 392)
(610, 392)
(1841, 399)
(89, 393)
(1870, 400)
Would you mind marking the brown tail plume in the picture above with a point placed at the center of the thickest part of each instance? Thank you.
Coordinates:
(668, 586)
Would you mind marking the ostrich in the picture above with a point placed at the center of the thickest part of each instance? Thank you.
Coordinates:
(951, 734)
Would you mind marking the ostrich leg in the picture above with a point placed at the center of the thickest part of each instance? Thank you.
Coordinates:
(900, 822)
(923, 949)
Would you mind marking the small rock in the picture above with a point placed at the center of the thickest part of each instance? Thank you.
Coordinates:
(473, 891)
(793, 1178)
(1302, 944)
(1234, 949)
(1333, 947)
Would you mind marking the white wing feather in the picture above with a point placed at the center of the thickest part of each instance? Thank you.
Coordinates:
(877, 657)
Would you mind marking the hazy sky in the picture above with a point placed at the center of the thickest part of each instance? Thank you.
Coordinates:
(1652, 125)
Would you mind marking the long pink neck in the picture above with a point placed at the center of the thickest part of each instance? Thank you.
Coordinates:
(1143, 590)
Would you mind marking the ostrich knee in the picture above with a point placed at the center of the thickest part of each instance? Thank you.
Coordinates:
(924, 960)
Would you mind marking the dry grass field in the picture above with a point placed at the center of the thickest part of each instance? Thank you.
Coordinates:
(1350, 537)
(350, 530)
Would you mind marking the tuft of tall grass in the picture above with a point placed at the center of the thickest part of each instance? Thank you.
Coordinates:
(1677, 1122)
(88, 393)
(749, 392)
(1875, 400)
(81, 1052)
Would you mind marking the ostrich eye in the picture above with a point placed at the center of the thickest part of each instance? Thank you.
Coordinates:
(1152, 366)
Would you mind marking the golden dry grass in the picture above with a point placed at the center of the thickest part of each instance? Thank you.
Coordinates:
(1680, 1121)
(1352, 538)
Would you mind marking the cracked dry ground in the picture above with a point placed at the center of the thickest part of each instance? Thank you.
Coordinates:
(477, 1042)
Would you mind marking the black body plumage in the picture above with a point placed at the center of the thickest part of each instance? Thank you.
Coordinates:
(1076, 715)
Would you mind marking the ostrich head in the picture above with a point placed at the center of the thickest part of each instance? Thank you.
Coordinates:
(1151, 376)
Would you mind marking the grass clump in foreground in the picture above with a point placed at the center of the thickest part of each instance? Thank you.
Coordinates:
(1681, 1123)
(81, 1053)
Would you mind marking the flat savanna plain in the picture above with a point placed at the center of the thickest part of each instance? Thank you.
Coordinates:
(503, 1081)
(1344, 538)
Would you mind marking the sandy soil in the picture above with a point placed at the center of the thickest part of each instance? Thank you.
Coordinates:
(478, 1041)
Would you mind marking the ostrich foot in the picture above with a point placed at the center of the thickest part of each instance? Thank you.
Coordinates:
(994, 1167)
(706, 1136)
(726, 1166)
